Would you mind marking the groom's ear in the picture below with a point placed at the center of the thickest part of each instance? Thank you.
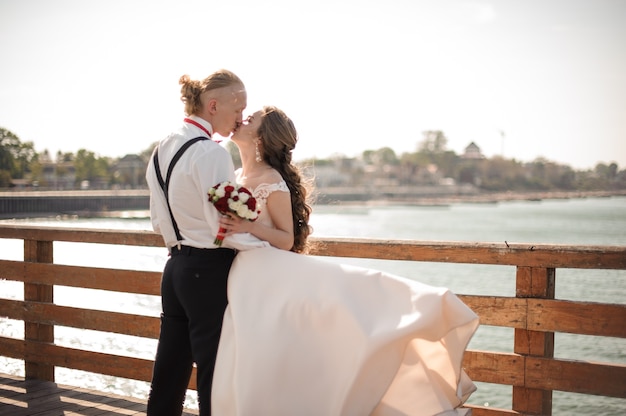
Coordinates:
(212, 104)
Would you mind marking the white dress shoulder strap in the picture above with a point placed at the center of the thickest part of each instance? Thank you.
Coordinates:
(261, 193)
(264, 190)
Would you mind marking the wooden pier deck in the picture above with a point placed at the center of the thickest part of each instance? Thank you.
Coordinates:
(20, 397)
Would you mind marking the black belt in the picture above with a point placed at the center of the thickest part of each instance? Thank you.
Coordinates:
(201, 252)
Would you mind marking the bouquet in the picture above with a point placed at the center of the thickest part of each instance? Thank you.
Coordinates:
(229, 197)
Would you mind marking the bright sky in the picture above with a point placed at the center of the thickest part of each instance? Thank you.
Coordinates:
(523, 79)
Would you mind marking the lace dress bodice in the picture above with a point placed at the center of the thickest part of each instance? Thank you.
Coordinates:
(261, 193)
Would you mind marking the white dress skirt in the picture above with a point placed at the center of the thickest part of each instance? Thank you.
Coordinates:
(305, 336)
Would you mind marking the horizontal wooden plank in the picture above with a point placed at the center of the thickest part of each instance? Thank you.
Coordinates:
(531, 255)
(488, 367)
(12, 309)
(492, 310)
(12, 348)
(549, 315)
(576, 376)
(82, 235)
(129, 281)
(543, 315)
(51, 314)
(494, 367)
(600, 379)
(95, 362)
(505, 253)
(497, 310)
(586, 318)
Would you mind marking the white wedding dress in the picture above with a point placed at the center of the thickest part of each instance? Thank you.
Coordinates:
(304, 336)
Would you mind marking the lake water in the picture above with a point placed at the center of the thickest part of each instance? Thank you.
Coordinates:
(589, 221)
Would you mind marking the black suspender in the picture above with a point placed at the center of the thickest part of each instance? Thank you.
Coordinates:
(166, 184)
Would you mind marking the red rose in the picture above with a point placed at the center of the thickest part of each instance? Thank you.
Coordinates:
(222, 205)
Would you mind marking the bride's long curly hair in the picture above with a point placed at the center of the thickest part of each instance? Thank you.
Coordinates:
(279, 137)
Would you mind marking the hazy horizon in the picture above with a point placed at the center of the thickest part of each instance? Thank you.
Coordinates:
(331, 156)
(523, 80)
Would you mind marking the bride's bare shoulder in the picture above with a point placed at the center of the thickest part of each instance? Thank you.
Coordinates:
(266, 181)
(272, 176)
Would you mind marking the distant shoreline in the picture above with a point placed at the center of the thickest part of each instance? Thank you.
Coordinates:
(413, 200)
(479, 198)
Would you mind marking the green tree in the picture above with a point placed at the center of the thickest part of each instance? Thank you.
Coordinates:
(15, 157)
(64, 157)
(604, 171)
(468, 171)
(89, 167)
(447, 162)
(499, 174)
(380, 157)
(7, 139)
(36, 171)
(433, 142)
(415, 159)
(432, 150)
(567, 179)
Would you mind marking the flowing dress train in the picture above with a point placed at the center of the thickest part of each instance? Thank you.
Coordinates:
(305, 336)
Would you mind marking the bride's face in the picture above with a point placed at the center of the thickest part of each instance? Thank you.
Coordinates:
(247, 131)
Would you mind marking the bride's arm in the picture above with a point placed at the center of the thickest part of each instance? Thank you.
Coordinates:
(278, 207)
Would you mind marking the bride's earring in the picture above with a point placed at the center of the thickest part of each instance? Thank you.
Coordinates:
(257, 154)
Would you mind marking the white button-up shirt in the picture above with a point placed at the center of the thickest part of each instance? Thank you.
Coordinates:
(203, 165)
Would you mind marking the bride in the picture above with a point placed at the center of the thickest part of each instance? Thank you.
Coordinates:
(304, 336)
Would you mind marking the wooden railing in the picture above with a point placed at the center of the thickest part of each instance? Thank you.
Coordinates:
(534, 313)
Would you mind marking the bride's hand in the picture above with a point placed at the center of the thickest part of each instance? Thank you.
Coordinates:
(233, 224)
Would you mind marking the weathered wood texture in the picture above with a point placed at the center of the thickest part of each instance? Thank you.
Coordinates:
(533, 313)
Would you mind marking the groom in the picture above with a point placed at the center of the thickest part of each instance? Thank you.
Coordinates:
(193, 285)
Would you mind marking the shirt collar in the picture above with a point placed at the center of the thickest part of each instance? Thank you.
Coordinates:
(203, 122)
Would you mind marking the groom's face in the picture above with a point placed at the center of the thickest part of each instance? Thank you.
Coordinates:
(228, 112)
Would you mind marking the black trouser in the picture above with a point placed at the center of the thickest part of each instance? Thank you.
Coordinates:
(193, 296)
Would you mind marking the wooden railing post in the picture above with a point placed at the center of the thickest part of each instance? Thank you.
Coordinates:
(534, 282)
(38, 252)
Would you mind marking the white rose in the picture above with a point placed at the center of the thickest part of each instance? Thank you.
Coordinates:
(234, 205)
(242, 211)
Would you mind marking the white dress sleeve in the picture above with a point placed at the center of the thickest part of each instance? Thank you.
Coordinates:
(261, 193)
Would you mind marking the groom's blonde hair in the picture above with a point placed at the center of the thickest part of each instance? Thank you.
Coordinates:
(192, 90)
